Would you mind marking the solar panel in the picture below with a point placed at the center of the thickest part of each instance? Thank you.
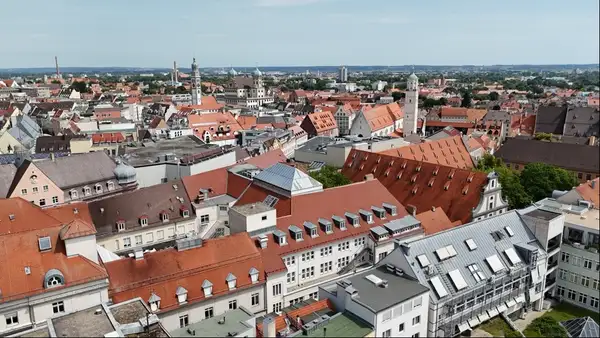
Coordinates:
(451, 251)
(471, 244)
(509, 231)
(442, 253)
(494, 263)
(512, 256)
(271, 201)
(44, 243)
(439, 288)
(423, 260)
(457, 279)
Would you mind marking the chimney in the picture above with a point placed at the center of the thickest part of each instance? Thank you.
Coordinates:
(592, 140)
(139, 254)
(269, 327)
(412, 209)
(369, 177)
(52, 157)
(433, 209)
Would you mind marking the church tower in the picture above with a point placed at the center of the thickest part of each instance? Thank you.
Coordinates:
(411, 106)
(196, 85)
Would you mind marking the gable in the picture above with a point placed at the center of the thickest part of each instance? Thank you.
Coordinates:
(29, 176)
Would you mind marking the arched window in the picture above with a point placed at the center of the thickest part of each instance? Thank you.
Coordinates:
(53, 278)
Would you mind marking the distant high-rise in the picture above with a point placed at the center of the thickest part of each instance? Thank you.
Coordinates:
(58, 76)
(343, 75)
(196, 84)
(175, 72)
(411, 106)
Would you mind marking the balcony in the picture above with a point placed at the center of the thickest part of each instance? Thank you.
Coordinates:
(552, 265)
(553, 245)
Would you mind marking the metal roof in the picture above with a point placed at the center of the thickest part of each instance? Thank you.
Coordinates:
(581, 327)
(480, 232)
(289, 179)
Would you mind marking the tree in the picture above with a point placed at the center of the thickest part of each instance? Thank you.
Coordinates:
(398, 95)
(512, 190)
(545, 326)
(79, 86)
(466, 100)
(543, 136)
(493, 96)
(540, 179)
(330, 177)
(496, 107)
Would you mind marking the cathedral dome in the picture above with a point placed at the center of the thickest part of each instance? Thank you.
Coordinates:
(257, 72)
(413, 77)
(125, 174)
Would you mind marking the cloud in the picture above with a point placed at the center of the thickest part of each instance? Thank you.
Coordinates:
(284, 3)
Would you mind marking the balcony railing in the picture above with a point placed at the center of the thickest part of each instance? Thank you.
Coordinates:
(550, 282)
(553, 246)
(552, 264)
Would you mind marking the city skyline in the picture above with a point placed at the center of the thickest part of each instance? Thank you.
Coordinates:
(282, 33)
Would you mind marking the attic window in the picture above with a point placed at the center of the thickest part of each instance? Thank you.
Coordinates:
(185, 212)
(121, 225)
(164, 216)
(110, 185)
(53, 278)
(380, 212)
(366, 215)
(470, 178)
(340, 222)
(280, 237)
(352, 219)
(87, 191)
(446, 186)
(207, 288)
(181, 294)
(231, 281)
(451, 174)
(154, 302)
(403, 166)
(431, 181)
(253, 275)
(414, 178)
(44, 243)
(73, 194)
(418, 168)
(98, 188)
(326, 225)
(311, 229)
(415, 189)
(143, 220)
(435, 171)
(465, 190)
(391, 209)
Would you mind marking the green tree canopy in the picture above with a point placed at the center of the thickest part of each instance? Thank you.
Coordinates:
(467, 100)
(545, 326)
(398, 95)
(540, 179)
(493, 96)
(512, 190)
(79, 86)
(330, 177)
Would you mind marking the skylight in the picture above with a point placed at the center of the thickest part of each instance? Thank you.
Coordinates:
(512, 256)
(494, 263)
(270, 201)
(442, 253)
(439, 288)
(471, 244)
(476, 272)
(509, 231)
(44, 243)
(451, 250)
(457, 279)
(423, 261)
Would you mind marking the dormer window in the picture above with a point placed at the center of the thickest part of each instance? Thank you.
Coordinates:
(121, 225)
(326, 225)
(352, 219)
(280, 237)
(73, 193)
(366, 215)
(231, 281)
(154, 302)
(185, 212)
(207, 288)
(253, 275)
(296, 232)
(144, 220)
(87, 191)
(98, 188)
(340, 222)
(181, 294)
(110, 185)
(53, 278)
(164, 216)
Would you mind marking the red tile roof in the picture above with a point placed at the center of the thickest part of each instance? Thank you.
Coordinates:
(333, 201)
(590, 194)
(322, 121)
(267, 159)
(162, 272)
(471, 115)
(420, 184)
(208, 103)
(434, 123)
(220, 126)
(383, 116)
(449, 151)
(19, 249)
(304, 311)
(108, 138)
(434, 221)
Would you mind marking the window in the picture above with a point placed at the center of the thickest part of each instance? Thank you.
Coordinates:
(42, 202)
(87, 191)
(291, 277)
(264, 218)
(23, 191)
(416, 320)
(576, 261)
(232, 304)
(343, 246)
(594, 302)
(181, 229)
(359, 241)
(417, 302)
(314, 295)
(401, 327)
(58, 307)
(565, 257)
(54, 199)
(573, 277)
(138, 240)
(587, 264)
(110, 185)
(386, 316)
(326, 251)
(149, 237)
(583, 298)
(563, 274)
(74, 194)
(204, 219)
(416, 335)
(342, 262)
(571, 294)
(308, 256)
(184, 321)
(209, 313)
(277, 289)
(164, 217)
(308, 272)
(255, 300)
(127, 242)
(45, 188)
(290, 260)
(596, 284)
(35, 190)
(585, 281)
(387, 333)
(222, 208)
(160, 234)
(277, 307)
(560, 291)
(98, 188)
(12, 319)
(326, 267)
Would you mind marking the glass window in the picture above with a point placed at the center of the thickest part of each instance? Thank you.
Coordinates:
(58, 307)
(184, 321)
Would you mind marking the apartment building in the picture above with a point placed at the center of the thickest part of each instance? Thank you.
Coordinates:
(309, 236)
(477, 271)
(48, 265)
(195, 281)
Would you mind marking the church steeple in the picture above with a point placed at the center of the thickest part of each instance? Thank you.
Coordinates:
(196, 84)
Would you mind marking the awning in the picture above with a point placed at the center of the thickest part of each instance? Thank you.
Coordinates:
(520, 299)
(511, 303)
(501, 308)
(483, 317)
(493, 312)
(473, 322)
(463, 327)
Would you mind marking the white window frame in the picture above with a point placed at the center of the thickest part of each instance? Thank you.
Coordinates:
(58, 307)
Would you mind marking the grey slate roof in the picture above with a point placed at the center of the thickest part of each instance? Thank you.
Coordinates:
(7, 174)
(377, 298)
(487, 246)
(582, 122)
(79, 169)
(581, 327)
(577, 157)
(25, 130)
(550, 120)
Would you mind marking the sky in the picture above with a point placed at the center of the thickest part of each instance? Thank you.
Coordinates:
(249, 33)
